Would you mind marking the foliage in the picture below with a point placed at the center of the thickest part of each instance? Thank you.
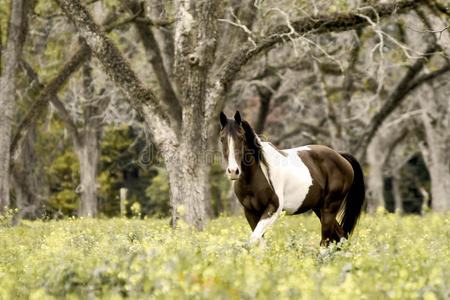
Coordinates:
(158, 191)
(119, 168)
(388, 256)
(64, 177)
(220, 186)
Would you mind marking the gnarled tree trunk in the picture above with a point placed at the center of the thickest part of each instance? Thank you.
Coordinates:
(189, 178)
(17, 27)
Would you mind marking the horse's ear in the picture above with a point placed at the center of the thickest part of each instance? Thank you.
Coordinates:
(223, 119)
(237, 117)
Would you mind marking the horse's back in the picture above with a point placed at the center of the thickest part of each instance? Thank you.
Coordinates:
(329, 167)
(305, 175)
(330, 171)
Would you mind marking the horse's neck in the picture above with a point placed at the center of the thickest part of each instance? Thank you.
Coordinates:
(251, 172)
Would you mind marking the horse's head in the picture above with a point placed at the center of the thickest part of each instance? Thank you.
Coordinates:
(232, 136)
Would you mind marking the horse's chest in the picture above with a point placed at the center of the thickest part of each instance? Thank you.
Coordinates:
(291, 180)
(254, 200)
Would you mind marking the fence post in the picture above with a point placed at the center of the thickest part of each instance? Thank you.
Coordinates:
(123, 199)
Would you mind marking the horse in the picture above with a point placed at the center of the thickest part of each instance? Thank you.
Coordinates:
(268, 180)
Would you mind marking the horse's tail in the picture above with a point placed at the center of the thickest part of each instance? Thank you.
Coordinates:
(354, 201)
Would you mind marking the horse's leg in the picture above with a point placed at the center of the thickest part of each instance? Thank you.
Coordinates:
(252, 218)
(269, 216)
(331, 230)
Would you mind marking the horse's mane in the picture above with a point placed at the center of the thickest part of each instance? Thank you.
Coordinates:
(253, 143)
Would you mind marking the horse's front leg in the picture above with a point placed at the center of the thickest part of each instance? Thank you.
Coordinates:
(269, 216)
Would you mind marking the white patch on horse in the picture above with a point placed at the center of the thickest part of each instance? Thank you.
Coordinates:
(302, 148)
(262, 227)
(290, 177)
(232, 164)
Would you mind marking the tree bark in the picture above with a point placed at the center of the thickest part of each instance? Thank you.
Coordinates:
(195, 45)
(88, 146)
(155, 9)
(435, 117)
(28, 179)
(155, 57)
(375, 180)
(189, 181)
(17, 28)
(88, 154)
(378, 154)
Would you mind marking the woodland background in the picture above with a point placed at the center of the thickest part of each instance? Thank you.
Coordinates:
(102, 95)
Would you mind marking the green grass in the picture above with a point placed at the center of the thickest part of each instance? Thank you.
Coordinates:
(387, 257)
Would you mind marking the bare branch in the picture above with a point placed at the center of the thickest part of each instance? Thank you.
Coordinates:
(301, 127)
(168, 95)
(403, 89)
(429, 77)
(321, 23)
(52, 88)
(63, 113)
(440, 31)
(119, 70)
(81, 56)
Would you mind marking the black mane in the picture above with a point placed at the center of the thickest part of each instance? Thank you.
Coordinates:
(253, 143)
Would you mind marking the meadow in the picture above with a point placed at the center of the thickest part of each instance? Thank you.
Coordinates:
(388, 256)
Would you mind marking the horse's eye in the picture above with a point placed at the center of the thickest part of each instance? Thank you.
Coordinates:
(222, 139)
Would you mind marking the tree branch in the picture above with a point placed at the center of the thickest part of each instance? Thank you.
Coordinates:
(52, 88)
(49, 92)
(398, 95)
(265, 95)
(168, 95)
(119, 70)
(164, 35)
(62, 112)
(67, 119)
(322, 23)
(301, 126)
(428, 77)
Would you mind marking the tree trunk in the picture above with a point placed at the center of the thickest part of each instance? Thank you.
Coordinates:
(88, 154)
(188, 172)
(375, 182)
(17, 26)
(28, 179)
(435, 117)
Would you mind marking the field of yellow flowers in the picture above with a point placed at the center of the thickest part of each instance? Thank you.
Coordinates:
(388, 256)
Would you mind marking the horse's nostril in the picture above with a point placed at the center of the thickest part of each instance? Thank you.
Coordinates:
(229, 170)
(237, 171)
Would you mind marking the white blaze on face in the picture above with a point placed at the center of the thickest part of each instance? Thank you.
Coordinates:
(233, 168)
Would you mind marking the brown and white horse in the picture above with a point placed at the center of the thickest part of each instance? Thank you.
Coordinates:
(269, 180)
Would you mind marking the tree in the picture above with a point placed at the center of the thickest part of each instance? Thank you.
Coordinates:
(436, 117)
(17, 29)
(200, 88)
